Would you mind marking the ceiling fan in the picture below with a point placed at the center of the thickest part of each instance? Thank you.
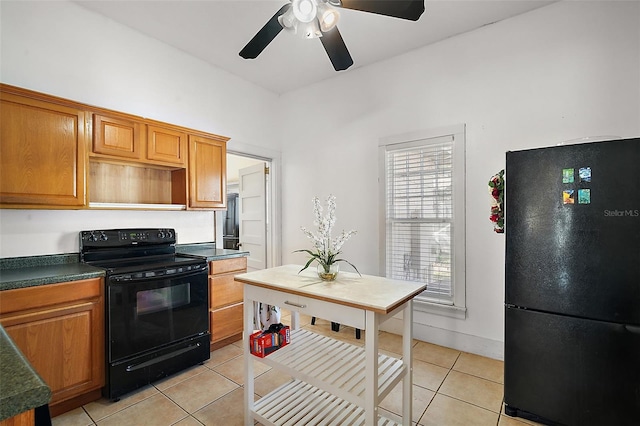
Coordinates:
(318, 19)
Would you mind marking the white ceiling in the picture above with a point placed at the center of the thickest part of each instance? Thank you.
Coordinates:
(216, 30)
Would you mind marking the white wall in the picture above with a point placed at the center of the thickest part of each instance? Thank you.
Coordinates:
(565, 71)
(60, 48)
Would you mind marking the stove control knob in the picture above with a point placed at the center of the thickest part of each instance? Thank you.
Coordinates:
(161, 235)
(92, 237)
(103, 236)
(169, 234)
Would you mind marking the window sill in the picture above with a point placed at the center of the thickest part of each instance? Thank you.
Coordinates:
(451, 311)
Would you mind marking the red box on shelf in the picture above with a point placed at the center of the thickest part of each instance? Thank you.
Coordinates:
(262, 343)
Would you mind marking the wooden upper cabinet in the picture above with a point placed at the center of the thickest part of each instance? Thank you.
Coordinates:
(167, 145)
(119, 137)
(207, 172)
(132, 138)
(43, 159)
(57, 153)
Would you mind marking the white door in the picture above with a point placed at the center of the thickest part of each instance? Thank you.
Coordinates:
(252, 201)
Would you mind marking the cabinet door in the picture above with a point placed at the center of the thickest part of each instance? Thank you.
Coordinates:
(42, 153)
(223, 266)
(119, 137)
(64, 339)
(207, 173)
(166, 145)
(226, 322)
(224, 290)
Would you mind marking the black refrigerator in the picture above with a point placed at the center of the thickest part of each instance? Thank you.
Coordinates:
(572, 295)
(231, 233)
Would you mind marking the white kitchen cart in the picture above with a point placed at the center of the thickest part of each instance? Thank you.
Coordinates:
(334, 383)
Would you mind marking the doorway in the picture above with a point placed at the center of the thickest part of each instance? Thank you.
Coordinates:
(247, 223)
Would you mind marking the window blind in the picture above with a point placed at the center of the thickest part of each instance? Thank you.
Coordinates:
(419, 214)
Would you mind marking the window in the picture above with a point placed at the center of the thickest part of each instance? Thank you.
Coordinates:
(423, 220)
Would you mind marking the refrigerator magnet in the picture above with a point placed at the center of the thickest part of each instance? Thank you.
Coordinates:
(567, 196)
(584, 196)
(585, 174)
(567, 175)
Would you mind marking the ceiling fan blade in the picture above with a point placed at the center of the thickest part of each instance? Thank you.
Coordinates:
(336, 49)
(403, 9)
(265, 36)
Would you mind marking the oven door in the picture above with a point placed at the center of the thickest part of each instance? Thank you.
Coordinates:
(149, 312)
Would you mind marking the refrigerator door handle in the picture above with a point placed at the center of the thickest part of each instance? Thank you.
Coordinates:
(633, 328)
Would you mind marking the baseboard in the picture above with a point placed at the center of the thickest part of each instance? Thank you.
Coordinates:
(451, 339)
(78, 401)
(224, 342)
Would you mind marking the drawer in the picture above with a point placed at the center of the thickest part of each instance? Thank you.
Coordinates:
(226, 322)
(331, 311)
(238, 264)
(223, 291)
(38, 297)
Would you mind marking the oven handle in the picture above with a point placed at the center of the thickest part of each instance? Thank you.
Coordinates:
(134, 367)
(118, 278)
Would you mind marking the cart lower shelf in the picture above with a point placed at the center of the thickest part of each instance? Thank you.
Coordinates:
(299, 403)
(335, 366)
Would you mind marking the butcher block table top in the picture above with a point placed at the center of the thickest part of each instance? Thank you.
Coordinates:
(369, 292)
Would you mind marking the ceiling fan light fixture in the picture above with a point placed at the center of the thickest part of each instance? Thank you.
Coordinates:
(328, 17)
(288, 21)
(316, 18)
(311, 29)
(304, 10)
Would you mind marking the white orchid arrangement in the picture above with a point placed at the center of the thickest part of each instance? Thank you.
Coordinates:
(325, 248)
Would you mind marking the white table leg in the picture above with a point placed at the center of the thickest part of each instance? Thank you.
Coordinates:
(248, 362)
(295, 320)
(407, 360)
(371, 368)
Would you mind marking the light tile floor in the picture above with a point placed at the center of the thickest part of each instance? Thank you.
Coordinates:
(449, 388)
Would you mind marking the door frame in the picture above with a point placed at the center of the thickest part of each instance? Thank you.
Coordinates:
(274, 203)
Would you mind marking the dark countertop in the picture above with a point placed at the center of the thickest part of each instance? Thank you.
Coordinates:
(21, 388)
(19, 272)
(208, 251)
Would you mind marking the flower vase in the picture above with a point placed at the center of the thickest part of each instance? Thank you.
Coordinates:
(329, 272)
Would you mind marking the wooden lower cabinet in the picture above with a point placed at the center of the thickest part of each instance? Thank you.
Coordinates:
(59, 328)
(225, 301)
(26, 418)
(225, 322)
